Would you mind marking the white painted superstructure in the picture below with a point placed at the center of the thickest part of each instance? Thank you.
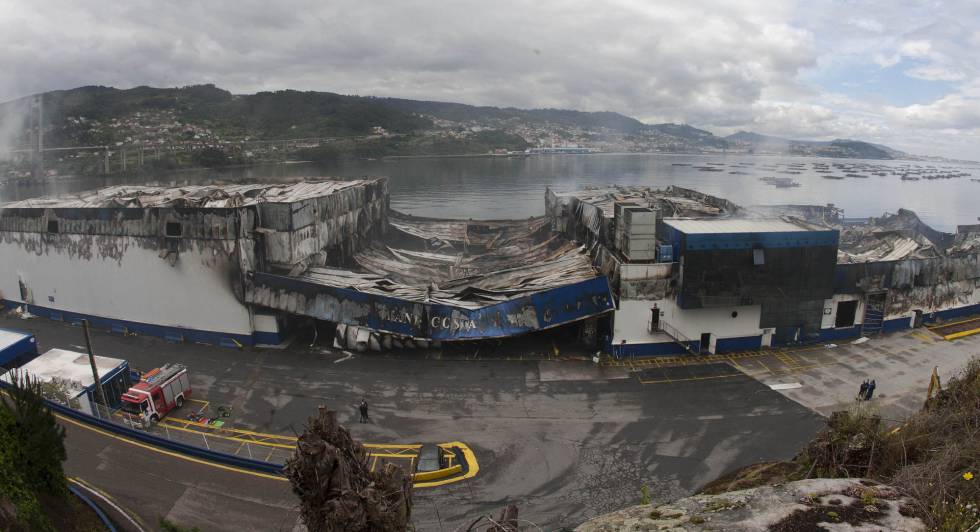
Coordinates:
(175, 262)
(132, 284)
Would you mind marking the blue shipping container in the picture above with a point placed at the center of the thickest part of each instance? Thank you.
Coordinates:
(16, 348)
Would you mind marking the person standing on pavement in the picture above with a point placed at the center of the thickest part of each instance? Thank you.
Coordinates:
(363, 407)
(871, 390)
(863, 392)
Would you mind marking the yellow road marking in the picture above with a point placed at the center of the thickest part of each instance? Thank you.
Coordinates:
(438, 474)
(400, 454)
(392, 445)
(393, 455)
(931, 327)
(170, 453)
(688, 379)
(796, 367)
(924, 337)
(403, 451)
(474, 467)
(961, 334)
(231, 438)
(470, 457)
(261, 435)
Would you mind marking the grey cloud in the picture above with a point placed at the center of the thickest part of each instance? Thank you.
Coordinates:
(712, 63)
(633, 58)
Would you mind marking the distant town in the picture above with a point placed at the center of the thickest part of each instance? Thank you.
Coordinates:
(102, 130)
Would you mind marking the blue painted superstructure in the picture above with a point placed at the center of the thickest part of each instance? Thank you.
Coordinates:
(435, 321)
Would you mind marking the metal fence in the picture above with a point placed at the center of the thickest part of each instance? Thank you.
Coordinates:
(208, 437)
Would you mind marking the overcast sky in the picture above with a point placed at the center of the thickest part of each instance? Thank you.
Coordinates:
(906, 74)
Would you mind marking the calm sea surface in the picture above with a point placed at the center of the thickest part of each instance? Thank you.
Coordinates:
(490, 188)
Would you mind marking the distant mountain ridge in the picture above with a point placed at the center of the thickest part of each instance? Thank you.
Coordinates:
(91, 116)
(833, 148)
(459, 112)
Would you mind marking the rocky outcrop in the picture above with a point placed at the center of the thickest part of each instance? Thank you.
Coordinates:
(834, 504)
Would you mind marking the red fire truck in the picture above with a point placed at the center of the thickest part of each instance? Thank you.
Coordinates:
(158, 392)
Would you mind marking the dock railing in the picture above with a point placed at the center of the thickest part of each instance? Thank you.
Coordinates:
(678, 337)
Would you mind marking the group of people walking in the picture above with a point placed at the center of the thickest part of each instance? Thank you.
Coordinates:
(867, 390)
(363, 409)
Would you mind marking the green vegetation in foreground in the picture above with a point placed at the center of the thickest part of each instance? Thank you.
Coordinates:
(34, 493)
(934, 457)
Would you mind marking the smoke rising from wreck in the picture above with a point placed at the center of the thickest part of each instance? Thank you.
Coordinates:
(14, 118)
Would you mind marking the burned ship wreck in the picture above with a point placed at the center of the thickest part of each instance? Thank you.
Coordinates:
(636, 270)
(695, 273)
(229, 264)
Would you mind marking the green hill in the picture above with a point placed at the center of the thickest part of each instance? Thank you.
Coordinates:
(213, 117)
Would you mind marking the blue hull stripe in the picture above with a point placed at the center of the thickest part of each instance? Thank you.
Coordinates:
(176, 334)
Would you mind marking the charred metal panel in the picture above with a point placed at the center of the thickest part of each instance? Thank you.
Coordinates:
(803, 314)
(924, 284)
(298, 232)
(303, 213)
(275, 216)
(206, 224)
(731, 277)
(904, 274)
(541, 310)
(578, 219)
(862, 277)
(114, 248)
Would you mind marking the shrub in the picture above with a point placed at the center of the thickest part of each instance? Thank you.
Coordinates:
(932, 457)
(211, 157)
(35, 439)
(31, 451)
(644, 494)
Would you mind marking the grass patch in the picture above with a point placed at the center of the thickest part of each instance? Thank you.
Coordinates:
(809, 518)
(933, 459)
(718, 505)
(762, 474)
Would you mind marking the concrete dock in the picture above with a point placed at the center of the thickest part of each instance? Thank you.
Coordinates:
(564, 440)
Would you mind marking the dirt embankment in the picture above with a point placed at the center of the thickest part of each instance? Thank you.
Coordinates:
(856, 472)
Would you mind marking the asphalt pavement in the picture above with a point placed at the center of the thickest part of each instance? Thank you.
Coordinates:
(564, 440)
(153, 484)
